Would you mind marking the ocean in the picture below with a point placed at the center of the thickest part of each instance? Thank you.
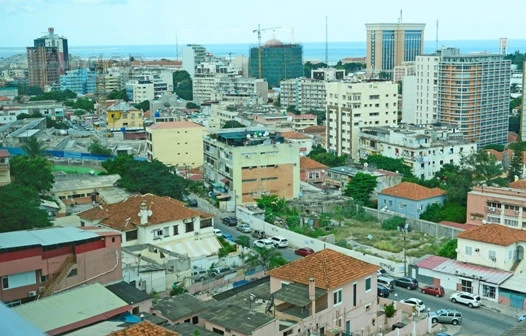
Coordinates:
(311, 50)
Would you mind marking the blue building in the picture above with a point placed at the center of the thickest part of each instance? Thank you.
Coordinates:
(81, 81)
(279, 61)
(409, 199)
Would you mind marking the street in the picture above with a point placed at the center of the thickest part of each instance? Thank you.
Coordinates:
(475, 321)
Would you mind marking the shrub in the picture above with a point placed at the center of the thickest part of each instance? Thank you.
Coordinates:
(393, 223)
(386, 246)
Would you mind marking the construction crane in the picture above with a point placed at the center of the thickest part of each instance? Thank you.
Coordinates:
(259, 30)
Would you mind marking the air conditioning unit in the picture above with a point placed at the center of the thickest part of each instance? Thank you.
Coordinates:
(493, 259)
(32, 293)
(477, 250)
(457, 271)
(196, 233)
(491, 209)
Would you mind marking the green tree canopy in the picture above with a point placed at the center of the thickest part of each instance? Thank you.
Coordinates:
(360, 187)
(183, 84)
(268, 258)
(29, 90)
(293, 109)
(308, 67)
(233, 124)
(58, 96)
(20, 209)
(393, 223)
(457, 181)
(432, 213)
(97, 148)
(484, 167)
(449, 249)
(144, 105)
(319, 154)
(122, 95)
(32, 146)
(32, 172)
(350, 67)
(192, 106)
(516, 164)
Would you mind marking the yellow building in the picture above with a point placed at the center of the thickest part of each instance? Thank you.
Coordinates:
(177, 143)
(5, 173)
(123, 115)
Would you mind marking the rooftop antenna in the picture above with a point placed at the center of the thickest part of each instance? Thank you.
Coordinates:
(436, 46)
(292, 40)
(176, 47)
(400, 18)
(326, 42)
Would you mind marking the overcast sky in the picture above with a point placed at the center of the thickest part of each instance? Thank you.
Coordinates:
(140, 22)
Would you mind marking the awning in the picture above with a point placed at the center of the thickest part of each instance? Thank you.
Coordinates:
(225, 180)
(515, 283)
(194, 248)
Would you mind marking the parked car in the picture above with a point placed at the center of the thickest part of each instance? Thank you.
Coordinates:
(406, 282)
(437, 291)
(199, 274)
(280, 241)
(469, 299)
(304, 251)
(381, 272)
(417, 303)
(245, 228)
(192, 203)
(218, 233)
(230, 221)
(259, 234)
(521, 318)
(386, 282)
(446, 316)
(264, 243)
(228, 236)
(220, 271)
(382, 291)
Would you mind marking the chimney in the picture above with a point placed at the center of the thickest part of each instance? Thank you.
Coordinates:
(143, 214)
(312, 296)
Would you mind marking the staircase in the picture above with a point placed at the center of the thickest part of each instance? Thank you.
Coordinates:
(58, 276)
(515, 265)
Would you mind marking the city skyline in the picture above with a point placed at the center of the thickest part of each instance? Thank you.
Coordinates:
(118, 22)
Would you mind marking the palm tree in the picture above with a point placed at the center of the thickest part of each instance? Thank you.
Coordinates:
(268, 258)
(33, 147)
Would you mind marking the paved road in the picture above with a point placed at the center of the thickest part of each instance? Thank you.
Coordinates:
(475, 321)
(287, 253)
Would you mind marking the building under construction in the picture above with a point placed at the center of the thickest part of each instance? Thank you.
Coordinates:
(279, 61)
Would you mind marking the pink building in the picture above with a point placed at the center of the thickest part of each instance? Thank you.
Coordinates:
(505, 206)
(312, 171)
(39, 263)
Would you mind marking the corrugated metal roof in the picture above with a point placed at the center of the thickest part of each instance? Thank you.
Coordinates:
(450, 266)
(515, 282)
(194, 248)
(43, 237)
(70, 307)
(69, 183)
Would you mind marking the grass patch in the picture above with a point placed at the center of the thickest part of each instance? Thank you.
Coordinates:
(77, 170)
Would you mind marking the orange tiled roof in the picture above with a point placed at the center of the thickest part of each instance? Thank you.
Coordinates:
(495, 234)
(144, 328)
(294, 135)
(307, 163)
(4, 98)
(174, 124)
(497, 155)
(4, 153)
(512, 137)
(412, 191)
(329, 268)
(123, 216)
(520, 184)
(314, 129)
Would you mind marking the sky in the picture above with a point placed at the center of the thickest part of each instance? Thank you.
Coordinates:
(154, 22)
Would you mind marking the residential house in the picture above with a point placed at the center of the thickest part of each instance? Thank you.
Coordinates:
(145, 328)
(316, 293)
(138, 300)
(302, 121)
(183, 308)
(312, 171)
(73, 309)
(178, 143)
(123, 116)
(304, 142)
(38, 263)
(409, 199)
(5, 171)
(339, 177)
(505, 206)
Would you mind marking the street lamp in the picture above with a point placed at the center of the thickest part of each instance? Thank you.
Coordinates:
(405, 250)
(363, 330)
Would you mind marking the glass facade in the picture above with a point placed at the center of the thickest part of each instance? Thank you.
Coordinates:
(388, 49)
(277, 63)
(80, 81)
(412, 45)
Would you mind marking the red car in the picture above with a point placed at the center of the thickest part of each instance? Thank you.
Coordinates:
(304, 251)
(437, 291)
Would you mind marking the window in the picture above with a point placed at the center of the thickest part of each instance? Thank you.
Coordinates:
(488, 291)
(131, 235)
(492, 255)
(466, 286)
(176, 230)
(157, 234)
(468, 250)
(368, 284)
(354, 291)
(337, 297)
(189, 227)
(19, 280)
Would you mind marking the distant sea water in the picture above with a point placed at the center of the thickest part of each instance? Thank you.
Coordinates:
(311, 50)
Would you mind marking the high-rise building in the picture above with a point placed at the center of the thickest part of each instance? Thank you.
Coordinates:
(193, 55)
(390, 44)
(351, 106)
(278, 61)
(522, 131)
(473, 92)
(55, 41)
(43, 66)
(80, 81)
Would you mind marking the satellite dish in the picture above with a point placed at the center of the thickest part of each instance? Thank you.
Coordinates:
(92, 172)
(248, 136)
(149, 213)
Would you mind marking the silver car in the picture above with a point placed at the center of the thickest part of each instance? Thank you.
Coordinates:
(245, 228)
(446, 316)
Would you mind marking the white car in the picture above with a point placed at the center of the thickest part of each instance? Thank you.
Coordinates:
(469, 299)
(417, 303)
(264, 243)
(218, 233)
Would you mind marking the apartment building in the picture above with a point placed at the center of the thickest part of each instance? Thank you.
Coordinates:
(43, 65)
(303, 121)
(81, 81)
(391, 44)
(139, 91)
(304, 94)
(424, 149)
(241, 90)
(241, 165)
(178, 143)
(353, 105)
(193, 55)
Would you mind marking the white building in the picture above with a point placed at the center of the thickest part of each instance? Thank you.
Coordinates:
(193, 55)
(424, 149)
(139, 91)
(354, 105)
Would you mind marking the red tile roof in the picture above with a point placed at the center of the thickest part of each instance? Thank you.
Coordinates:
(412, 191)
(144, 328)
(4, 153)
(294, 135)
(123, 216)
(520, 184)
(329, 268)
(495, 234)
(307, 163)
(174, 125)
(4, 98)
(459, 225)
(302, 116)
(314, 129)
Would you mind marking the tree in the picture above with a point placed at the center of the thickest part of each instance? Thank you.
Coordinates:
(96, 148)
(432, 213)
(243, 241)
(118, 164)
(32, 146)
(32, 172)
(360, 187)
(319, 154)
(393, 223)
(268, 258)
(515, 170)
(390, 164)
(29, 90)
(293, 109)
(20, 209)
(144, 105)
(389, 310)
(514, 124)
(277, 103)
(183, 84)
(484, 167)
(122, 95)
(233, 124)
(308, 67)
(457, 181)
(85, 104)
(449, 249)
(192, 106)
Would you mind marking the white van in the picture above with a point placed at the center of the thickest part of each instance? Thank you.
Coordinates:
(280, 241)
